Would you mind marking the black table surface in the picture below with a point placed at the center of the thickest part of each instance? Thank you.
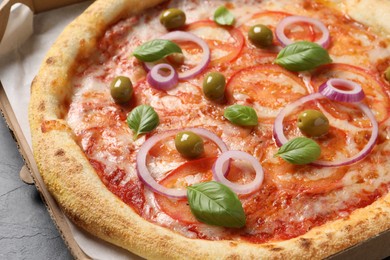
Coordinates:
(26, 229)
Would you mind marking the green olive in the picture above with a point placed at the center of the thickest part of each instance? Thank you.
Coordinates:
(387, 74)
(173, 18)
(260, 35)
(189, 144)
(214, 84)
(176, 59)
(313, 123)
(121, 89)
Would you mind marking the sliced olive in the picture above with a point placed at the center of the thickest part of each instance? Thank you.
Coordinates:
(260, 35)
(313, 123)
(121, 89)
(214, 84)
(387, 74)
(189, 144)
(173, 18)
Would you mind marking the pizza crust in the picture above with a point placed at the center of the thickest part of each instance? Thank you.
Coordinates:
(372, 13)
(72, 180)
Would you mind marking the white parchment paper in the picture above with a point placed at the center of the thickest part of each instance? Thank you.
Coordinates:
(22, 50)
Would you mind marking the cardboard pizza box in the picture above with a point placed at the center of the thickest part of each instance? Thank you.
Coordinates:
(374, 248)
(30, 175)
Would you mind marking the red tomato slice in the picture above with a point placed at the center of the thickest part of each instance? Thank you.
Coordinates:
(166, 150)
(268, 18)
(376, 96)
(297, 31)
(267, 88)
(251, 55)
(222, 51)
(305, 178)
(196, 171)
(349, 40)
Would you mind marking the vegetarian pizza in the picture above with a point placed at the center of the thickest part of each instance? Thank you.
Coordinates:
(220, 129)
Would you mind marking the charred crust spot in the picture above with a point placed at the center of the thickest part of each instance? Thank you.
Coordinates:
(233, 256)
(59, 152)
(50, 125)
(360, 223)
(348, 228)
(305, 243)
(82, 43)
(273, 248)
(41, 106)
(233, 244)
(329, 235)
(50, 61)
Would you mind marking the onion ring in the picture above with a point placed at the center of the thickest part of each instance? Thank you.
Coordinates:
(162, 82)
(144, 173)
(220, 167)
(281, 139)
(186, 36)
(284, 40)
(353, 94)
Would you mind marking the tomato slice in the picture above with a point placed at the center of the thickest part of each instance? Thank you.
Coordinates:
(267, 18)
(297, 31)
(350, 40)
(376, 96)
(225, 43)
(267, 88)
(191, 172)
(305, 178)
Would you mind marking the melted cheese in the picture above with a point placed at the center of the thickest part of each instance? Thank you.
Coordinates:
(110, 142)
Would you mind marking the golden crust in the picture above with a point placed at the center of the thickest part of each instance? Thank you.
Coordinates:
(372, 13)
(71, 179)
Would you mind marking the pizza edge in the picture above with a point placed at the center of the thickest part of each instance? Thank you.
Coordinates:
(78, 190)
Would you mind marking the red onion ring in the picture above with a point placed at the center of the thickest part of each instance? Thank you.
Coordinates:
(284, 40)
(158, 81)
(144, 173)
(221, 164)
(353, 94)
(186, 36)
(281, 139)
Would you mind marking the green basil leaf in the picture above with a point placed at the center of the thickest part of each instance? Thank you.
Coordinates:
(241, 115)
(156, 50)
(215, 204)
(300, 150)
(302, 55)
(222, 16)
(142, 119)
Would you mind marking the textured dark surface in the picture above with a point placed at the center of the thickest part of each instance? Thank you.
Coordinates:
(26, 229)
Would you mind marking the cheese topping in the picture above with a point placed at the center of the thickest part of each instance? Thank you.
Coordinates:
(293, 199)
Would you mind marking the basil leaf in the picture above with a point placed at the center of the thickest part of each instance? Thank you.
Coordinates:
(300, 150)
(142, 119)
(215, 204)
(241, 115)
(156, 50)
(302, 55)
(222, 16)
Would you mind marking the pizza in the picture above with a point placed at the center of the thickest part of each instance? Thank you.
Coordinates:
(219, 129)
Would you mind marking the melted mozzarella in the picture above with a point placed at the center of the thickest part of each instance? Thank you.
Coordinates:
(118, 150)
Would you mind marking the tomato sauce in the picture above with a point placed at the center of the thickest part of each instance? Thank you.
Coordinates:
(292, 199)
